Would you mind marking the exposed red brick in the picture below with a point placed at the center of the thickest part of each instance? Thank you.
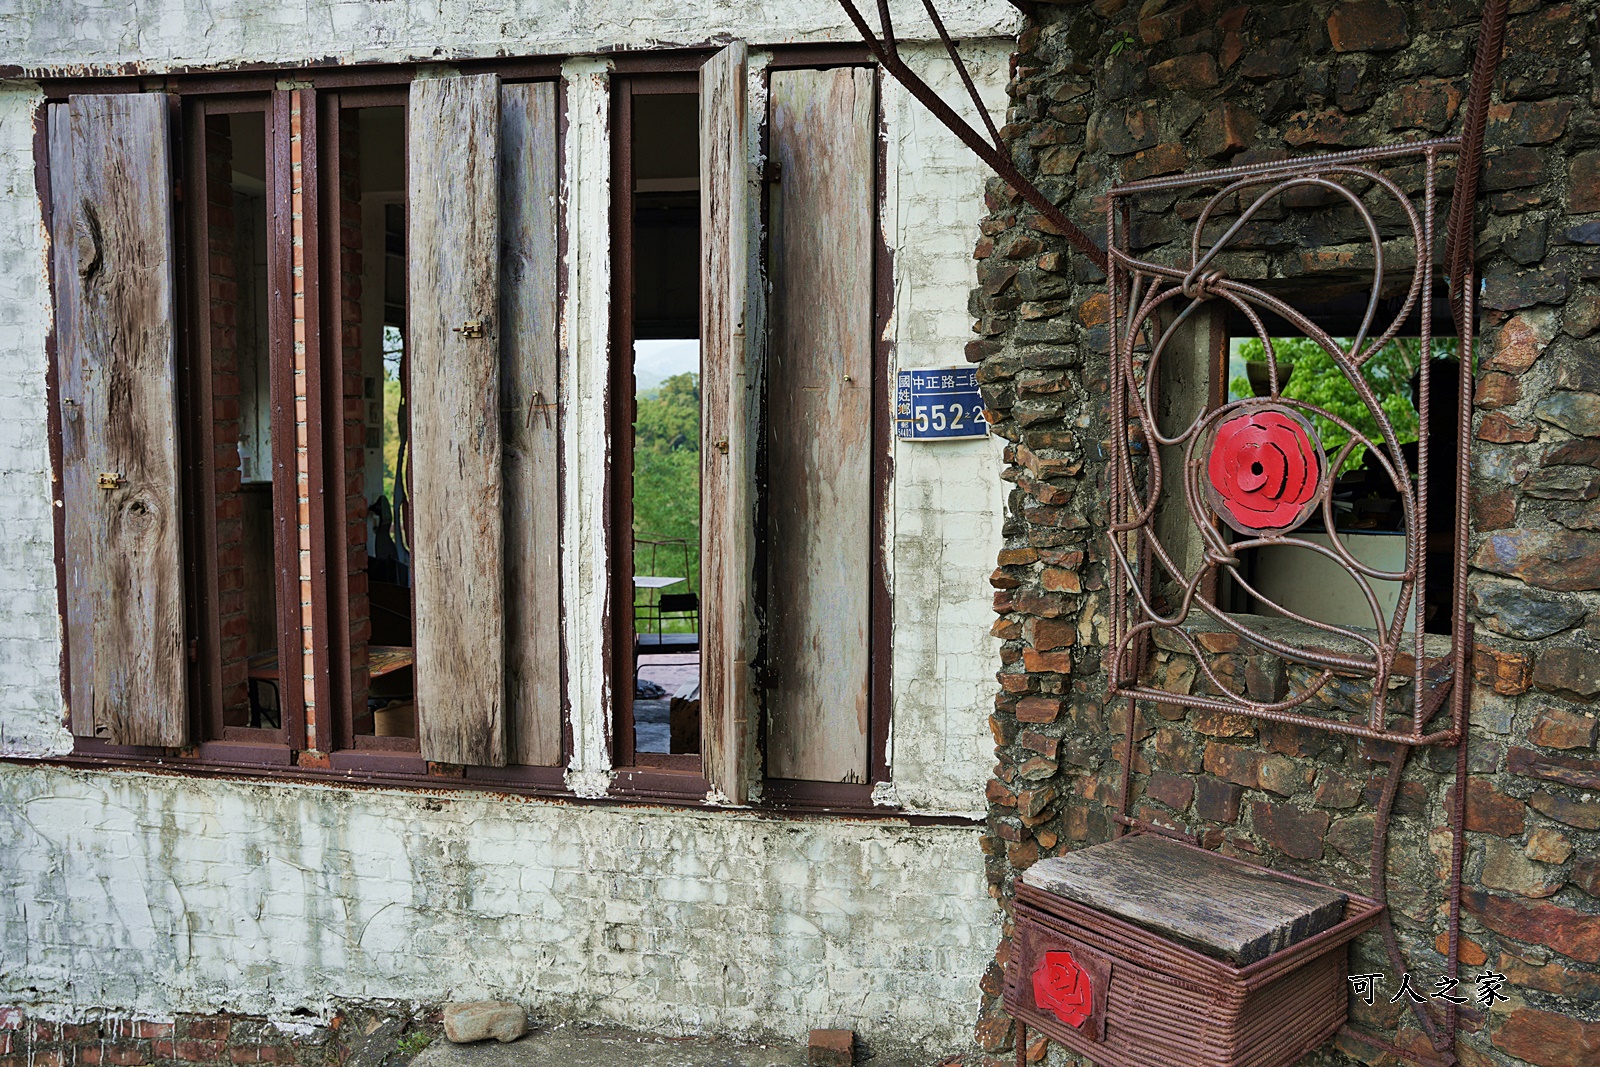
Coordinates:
(1035, 661)
(198, 1051)
(1494, 510)
(831, 1048)
(1049, 634)
(1568, 770)
(1509, 673)
(1571, 933)
(1557, 727)
(1368, 26)
(1006, 629)
(1430, 105)
(1586, 876)
(1172, 790)
(1223, 130)
(1583, 814)
(1552, 977)
(1583, 182)
(1500, 429)
(1234, 764)
(1038, 709)
(1471, 953)
(1497, 389)
(1292, 831)
(120, 1055)
(1490, 811)
(1549, 1039)
(1152, 162)
(1185, 73)
(1217, 801)
(1224, 724)
(1329, 127)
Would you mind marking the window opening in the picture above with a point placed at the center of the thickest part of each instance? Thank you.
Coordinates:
(664, 151)
(244, 565)
(1369, 514)
(1208, 495)
(371, 283)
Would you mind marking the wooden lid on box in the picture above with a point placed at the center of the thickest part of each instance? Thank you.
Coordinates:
(1217, 905)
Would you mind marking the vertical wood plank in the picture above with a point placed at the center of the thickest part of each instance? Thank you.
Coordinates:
(454, 277)
(728, 381)
(76, 481)
(819, 429)
(530, 424)
(114, 246)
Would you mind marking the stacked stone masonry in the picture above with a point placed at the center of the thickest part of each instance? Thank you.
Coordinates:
(1118, 90)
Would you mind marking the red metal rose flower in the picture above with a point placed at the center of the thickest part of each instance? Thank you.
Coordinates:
(1063, 988)
(1264, 469)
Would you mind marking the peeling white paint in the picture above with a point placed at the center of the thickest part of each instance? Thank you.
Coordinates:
(585, 352)
(32, 708)
(96, 36)
(131, 892)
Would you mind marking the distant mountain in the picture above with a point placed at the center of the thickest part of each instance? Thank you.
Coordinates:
(656, 361)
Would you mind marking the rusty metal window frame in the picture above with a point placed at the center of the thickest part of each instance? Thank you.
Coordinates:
(288, 760)
(1140, 292)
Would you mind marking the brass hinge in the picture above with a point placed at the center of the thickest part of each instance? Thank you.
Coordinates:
(470, 328)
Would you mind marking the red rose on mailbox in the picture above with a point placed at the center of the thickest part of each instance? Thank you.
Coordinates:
(1063, 988)
(1264, 469)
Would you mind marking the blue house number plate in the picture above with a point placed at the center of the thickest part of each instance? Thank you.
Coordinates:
(938, 405)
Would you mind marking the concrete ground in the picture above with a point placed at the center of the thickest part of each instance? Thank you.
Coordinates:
(571, 1045)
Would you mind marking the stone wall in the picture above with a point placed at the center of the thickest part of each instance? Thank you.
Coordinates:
(1115, 90)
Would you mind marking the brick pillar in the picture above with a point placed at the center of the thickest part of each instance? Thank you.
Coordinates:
(224, 298)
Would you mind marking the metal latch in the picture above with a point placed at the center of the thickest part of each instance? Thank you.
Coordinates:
(110, 480)
(722, 445)
(470, 328)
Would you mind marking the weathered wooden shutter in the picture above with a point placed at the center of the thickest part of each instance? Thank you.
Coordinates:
(819, 423)
(529, 390)
(729, 383)
(454, 349)
(111, 221)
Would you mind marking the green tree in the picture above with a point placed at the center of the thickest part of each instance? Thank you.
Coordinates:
(1318, 381)
(666, 477)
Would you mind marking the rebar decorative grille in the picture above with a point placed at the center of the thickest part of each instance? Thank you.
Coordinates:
(1253, 471)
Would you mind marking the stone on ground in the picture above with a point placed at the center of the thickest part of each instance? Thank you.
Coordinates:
(483, 1019)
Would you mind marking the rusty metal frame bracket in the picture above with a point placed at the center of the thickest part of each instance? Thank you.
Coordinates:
(1149, 300)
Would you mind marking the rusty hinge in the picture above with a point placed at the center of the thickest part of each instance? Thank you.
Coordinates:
(772, 172)
(470, 328)
(111, 480)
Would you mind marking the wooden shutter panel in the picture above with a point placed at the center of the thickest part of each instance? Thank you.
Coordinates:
(531, 428)
(729, 384)
(454, 280)
(111, 220)
(819, 424)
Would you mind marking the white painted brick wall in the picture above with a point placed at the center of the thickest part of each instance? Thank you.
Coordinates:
(31, 705)
(152, 895)
(154, 35)
(948, 497)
